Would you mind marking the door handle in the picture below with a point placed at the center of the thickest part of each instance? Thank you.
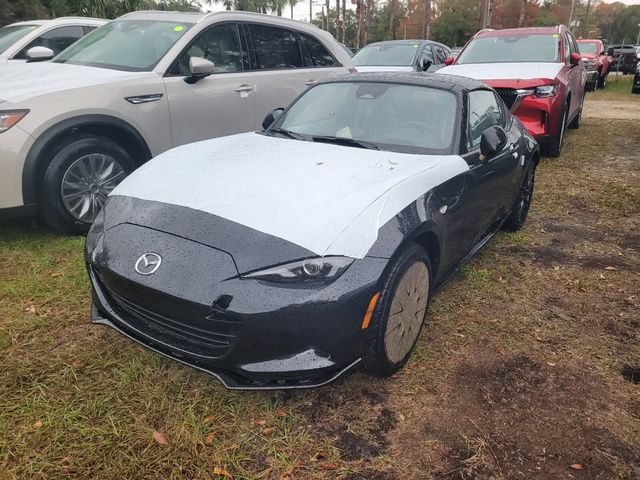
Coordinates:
(244, 88)
(310, 82)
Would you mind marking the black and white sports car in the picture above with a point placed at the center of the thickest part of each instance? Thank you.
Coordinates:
(285, 257)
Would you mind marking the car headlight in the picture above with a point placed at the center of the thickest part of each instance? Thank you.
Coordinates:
(9, 118)
(310, 270)
(546, 90)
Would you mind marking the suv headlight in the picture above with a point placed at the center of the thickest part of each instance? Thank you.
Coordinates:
(9, 118)
(546, 90)
(310, 270)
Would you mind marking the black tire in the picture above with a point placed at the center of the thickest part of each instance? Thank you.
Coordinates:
(554, 144)
(575, 123)
(602, 81)
(521, 206)
(377, 358)
(51, 208)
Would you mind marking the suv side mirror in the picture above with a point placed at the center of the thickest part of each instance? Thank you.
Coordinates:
(271, 117)
(492, 141)
(575, 58)
(39, 54)
(425, 64)
(199, 68)
(449, 60)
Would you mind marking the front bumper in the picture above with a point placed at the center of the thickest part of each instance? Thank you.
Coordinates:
(14, 145)
(268, 337)
(541, 116)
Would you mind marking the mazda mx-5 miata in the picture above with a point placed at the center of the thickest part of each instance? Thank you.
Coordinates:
(286, 257)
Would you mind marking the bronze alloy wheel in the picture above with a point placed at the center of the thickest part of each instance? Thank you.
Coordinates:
(408, 308)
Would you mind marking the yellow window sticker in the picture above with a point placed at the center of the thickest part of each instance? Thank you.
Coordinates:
(178, 28)
(555, 35)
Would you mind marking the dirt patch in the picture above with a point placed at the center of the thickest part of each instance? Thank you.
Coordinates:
(612, 109)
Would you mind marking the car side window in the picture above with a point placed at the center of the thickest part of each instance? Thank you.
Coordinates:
(440, 54)
(275, 48)
(319, 56)
(219, 44)
(484, 112)
(56, 39)
(426, 55)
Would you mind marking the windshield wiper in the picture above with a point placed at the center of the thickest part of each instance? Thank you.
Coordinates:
(287, 133)
(346, 141)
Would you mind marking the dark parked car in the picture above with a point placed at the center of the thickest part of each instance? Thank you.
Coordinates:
(636, 81)
(623, 58)
(284, 258)
(401, 56)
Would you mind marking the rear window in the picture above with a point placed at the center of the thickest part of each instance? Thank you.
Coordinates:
(512, 48)
(275, 48)
(588, 48)
(386, 54)
(12, 33)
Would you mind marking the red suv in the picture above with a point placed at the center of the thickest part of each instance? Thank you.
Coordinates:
(596, 62)
(538, 72)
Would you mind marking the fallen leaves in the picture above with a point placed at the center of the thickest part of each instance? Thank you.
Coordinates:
(38, 424)
(208, 439)
(222, 472)
(576, 466)
(280, 413)
(268, 430)
(160, 438)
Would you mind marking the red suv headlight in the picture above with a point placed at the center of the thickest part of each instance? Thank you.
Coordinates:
(546, 90)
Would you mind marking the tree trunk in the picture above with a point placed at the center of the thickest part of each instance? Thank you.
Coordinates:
(426, 25)
(328, 23)
(523, 12)
(338, 23)
(344, 21)
(359, 18)
(392, 11)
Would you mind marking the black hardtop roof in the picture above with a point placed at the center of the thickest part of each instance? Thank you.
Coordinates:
(453, 83)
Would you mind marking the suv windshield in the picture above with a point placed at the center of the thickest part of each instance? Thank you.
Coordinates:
(131, 45)
(588, 48)
(12, 33)
(386, 54)
(512, 48)
(381, 116)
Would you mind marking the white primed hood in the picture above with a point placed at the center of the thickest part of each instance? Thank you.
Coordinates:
(329, 199)
(19, 82)
(504, 71)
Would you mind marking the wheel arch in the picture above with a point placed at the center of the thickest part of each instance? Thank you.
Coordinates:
(429, 241)
(104, 125)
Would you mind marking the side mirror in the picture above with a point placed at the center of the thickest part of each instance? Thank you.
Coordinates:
(449, 60)
(425, 64)
(492, 141)
(575, 59)
(39, 54)
(272, 117)
(199, 68)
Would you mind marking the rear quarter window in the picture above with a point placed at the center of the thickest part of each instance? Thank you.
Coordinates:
(318, 55)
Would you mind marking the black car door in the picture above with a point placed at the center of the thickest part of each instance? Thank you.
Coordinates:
(491, 180)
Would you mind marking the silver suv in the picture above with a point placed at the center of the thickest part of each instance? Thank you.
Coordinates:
(73, 128)
(18, 39)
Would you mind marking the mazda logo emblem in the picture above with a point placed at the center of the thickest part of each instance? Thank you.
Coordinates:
(148, 263)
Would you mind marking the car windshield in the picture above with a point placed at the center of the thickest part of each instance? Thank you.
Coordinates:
(386, 54)
(381, 116)
(512, 48)
(131, 45)
(12, 33)
(588, 48)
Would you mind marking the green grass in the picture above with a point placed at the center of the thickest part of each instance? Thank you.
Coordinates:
(617, 86)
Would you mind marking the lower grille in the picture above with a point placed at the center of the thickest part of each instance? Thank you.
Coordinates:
(508, 95)
(209, 334)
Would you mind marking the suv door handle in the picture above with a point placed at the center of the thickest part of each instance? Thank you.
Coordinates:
(310, 82)
(244, 88)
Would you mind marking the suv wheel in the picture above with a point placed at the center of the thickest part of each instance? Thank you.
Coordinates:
(77, 181)
(400, 312)
(602, 81)
(555, 143)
